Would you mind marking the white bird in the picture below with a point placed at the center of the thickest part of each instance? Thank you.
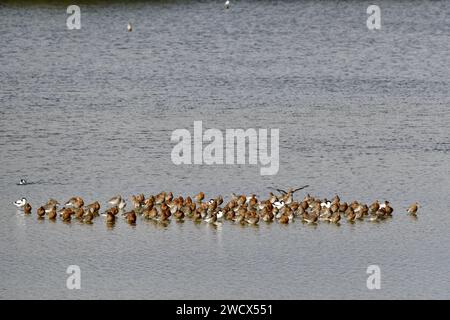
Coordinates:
(114, 201)
(70, 203)
(278, 204)
(129, 27)
(20, 203)
(227, 4)
(326, 204)
(117, 201)
(22, 182)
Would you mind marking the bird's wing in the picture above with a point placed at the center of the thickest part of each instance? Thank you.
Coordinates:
(306, 186)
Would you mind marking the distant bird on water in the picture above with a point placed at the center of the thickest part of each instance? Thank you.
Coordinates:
(22, 182)
(413, 208)
(227, 4)
(129, 27)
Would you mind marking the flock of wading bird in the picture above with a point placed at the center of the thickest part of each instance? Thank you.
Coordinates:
(240, 209)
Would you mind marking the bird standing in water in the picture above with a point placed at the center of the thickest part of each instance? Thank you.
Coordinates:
(413, 208)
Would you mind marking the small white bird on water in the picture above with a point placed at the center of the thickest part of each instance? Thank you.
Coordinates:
(20, 203)
(227, 4)
(129, 27)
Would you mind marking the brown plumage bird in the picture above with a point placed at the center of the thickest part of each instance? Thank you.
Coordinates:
(335, 218)
(95, 207)
(131, 217)
(40, 212)
(374, 207)
(152, 214)
(179, 215)
(52, 213)
(27, 208)
(197, 216)
(284, 219)
(88, 217)
(412, 209)
(388, 208)
(254, 219)
(113, 210)
(79, 213)
(110, 218)
(343, 207)
(66, 214)
(350, 214)
(75, 202)
(199, 197)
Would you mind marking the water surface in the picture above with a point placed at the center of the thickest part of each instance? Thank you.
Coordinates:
(90, 112)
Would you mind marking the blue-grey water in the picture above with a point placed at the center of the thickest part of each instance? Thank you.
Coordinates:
(361, 113)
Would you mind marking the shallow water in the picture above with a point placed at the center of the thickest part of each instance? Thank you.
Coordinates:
(90, 113)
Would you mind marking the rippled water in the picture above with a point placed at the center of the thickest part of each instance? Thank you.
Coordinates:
(90, 113)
